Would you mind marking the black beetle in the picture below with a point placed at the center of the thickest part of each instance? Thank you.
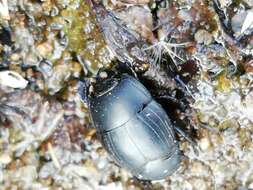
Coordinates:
(133, 127)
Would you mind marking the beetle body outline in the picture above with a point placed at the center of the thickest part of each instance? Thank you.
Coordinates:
(133, 128)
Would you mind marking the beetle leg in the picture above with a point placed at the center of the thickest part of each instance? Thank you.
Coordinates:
(186, 137)
(145, 184)
(83, 90)
(170, 98)
(174, 100)
(185, 88)
(128, 68)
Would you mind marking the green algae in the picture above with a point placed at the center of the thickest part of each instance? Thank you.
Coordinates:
(76, 19)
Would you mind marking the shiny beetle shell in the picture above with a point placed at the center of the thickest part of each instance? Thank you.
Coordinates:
(134, 128)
